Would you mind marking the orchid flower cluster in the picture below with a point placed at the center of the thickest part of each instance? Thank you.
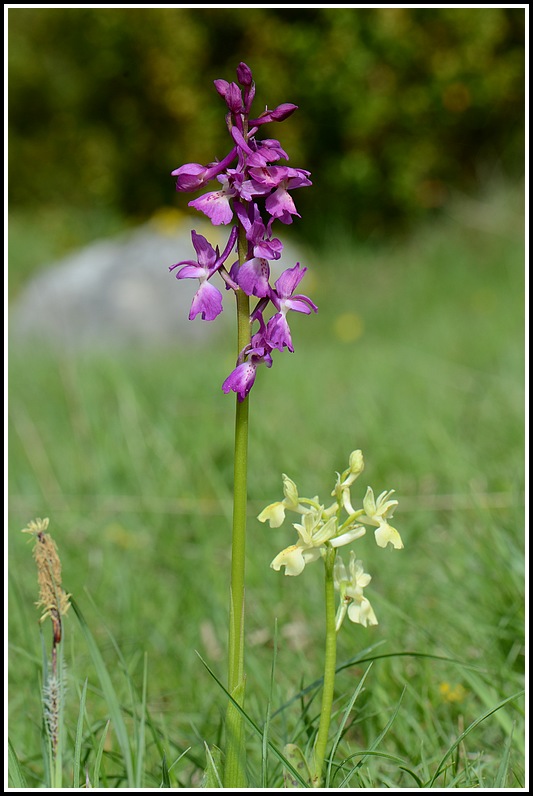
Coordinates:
(321, 528)
(253, 194)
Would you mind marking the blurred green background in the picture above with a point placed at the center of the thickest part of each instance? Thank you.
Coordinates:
(412, 123)
(399, 108)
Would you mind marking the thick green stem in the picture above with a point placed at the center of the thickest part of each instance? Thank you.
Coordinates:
(238, 550)
(234, 769)
(329, 671)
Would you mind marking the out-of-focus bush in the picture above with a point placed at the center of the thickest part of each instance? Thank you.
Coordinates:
(398, 106)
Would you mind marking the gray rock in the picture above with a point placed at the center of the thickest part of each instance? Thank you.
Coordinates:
(118, 292)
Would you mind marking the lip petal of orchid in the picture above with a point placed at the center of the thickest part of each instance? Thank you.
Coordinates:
(215, 205)
(280, 203)
(385, 534)
(292, 558)
(207, 301)
(240, 380)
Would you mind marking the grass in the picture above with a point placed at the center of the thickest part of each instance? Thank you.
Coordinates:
(416, 356)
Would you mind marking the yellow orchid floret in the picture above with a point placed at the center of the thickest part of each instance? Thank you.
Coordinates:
(295, 557)
(350, 583)
(377, 512)
(275, 512)
(313, 533)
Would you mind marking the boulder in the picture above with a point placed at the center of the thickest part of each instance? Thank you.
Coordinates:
(118, 292)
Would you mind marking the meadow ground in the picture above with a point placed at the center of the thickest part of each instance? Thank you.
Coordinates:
(416, 357)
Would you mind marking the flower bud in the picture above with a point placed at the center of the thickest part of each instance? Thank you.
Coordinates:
(222, 87)
(283, 111)
(244, 74)
(290, 490)
(190, 176)
(234, 98)
(277, 115)
(357, 463)
(231, 93)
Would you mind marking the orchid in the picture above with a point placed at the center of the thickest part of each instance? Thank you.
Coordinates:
(322, 528)
(282, 297)
(313, 534)
(207, 300)
(350, 583)
(254, 192)
(251, 195)
(275, 512)
(377, 512)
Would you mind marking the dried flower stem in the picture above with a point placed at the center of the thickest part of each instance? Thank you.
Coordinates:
(55, 603)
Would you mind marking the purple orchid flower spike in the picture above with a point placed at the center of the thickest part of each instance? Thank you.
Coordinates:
(254, 194)
(207, 300)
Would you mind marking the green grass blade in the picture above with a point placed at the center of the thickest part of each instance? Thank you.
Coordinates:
(503, 769)
(165, 774)
(16, 777)
(412, 774)
(112, 701)
(266, 725)
(99, 755)
(338, 737)
(377, 741)
(141, 729)
(213, 771)
(79, 738)
(468, 730)
(257, 730)
(488, 696)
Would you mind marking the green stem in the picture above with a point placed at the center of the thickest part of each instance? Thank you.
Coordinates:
(329, 671)
(234, 769)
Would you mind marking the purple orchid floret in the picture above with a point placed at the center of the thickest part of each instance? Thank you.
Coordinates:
(254, 194)
(259, 235)
(216, 205)
(207, 300)
(266, 151)
(278, 331)
(192, 176)
(280, 204)
(242, 378)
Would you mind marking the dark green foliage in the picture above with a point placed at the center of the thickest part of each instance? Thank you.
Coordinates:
(398, 107)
